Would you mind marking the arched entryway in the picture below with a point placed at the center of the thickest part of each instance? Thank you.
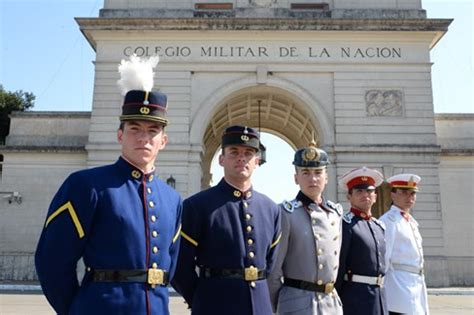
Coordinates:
(273, 109)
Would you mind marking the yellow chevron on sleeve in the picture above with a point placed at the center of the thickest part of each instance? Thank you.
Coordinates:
(189, 239)
(276, 242)
(67, 206)
(177, 234)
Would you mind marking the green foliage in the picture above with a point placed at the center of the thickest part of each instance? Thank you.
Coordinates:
(9, 102)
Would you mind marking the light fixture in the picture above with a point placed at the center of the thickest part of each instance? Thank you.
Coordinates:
(263, 149)
(12, 196)
(171, 181)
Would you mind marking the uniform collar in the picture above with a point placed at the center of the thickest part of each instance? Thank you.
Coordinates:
(361, 214)
(236, 193)
(404, 214)
(306, 201)
(134, 172)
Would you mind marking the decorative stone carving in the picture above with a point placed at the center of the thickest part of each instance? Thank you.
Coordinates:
(384, 102)
(262, 3)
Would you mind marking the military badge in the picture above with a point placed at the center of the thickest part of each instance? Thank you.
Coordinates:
(311, 154)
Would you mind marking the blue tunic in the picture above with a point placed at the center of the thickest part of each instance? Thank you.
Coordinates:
(224, 228)
(116, 218)
(362, 253)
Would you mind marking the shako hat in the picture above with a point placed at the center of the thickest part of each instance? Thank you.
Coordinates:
(136, 84)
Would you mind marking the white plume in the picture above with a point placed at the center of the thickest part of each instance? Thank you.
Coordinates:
(137, 73)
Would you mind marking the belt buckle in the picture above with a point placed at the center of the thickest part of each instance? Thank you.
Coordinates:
(251, 273)
(155, 277)
(329, 287)
(379, 280)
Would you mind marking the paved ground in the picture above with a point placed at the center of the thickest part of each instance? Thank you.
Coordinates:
(449, 301)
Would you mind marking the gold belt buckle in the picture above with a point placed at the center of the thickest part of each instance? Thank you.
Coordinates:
(329, 287)
(380, 280)
(251, 273)
(155, 277)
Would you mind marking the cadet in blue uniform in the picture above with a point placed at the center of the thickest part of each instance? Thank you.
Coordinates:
(362, 265)
(120, 218)
(230, 232)
(308, 254)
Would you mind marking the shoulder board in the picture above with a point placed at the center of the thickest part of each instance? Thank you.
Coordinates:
(379, 223)
(288, 206)
(335, 206)
(348, 216)
(392, 217)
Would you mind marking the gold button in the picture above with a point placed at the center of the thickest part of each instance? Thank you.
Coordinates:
(154, 233)
(237, 193)
(88, 268)
(318, 236)
(249, 228)
(320, 251)
(154, 265)
(319, 282)
(333, 222)
(250, 241)
(136, 174)
(155, 249)
(251, 255)
(252, 284)
(153, 218)
(148, 190)
(320, 266)
(314, 221)
(151, 203)
(249, 194)
(248, 216)
(151, 177)
(245, 204)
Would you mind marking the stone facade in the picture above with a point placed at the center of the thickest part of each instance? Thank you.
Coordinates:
(357, 74)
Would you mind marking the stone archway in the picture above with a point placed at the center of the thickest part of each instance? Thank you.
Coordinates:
(281, 113)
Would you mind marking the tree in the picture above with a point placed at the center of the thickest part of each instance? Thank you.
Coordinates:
(9, 102)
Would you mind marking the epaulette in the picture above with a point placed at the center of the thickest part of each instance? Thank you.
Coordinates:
(290, 206)
(379, 223)
(335, 206)
(392, 217)
(348, 216)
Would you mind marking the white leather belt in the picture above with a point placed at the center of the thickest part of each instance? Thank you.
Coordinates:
(408, 268)
(365, 279)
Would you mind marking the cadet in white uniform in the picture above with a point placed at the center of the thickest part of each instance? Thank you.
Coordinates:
(308, 258)
(404, 281)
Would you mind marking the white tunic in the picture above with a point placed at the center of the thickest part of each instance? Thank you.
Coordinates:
(406, 291)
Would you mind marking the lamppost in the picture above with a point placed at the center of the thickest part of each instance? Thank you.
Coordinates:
(171, 181)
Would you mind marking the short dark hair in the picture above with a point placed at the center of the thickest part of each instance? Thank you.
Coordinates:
(122, 125)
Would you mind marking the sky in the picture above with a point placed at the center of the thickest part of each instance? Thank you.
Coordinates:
(43, 51)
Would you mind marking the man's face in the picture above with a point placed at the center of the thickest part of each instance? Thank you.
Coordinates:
(362, 199)
(141, 141)
(239, 162)
(311, 181)
(404, 198)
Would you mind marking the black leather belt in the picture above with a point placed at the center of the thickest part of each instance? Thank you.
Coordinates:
(248, 274)
(309, 286)
(151, 276)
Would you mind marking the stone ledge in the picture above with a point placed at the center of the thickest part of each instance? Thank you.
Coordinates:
(263, 23)
(41, 149)
(265, 13)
